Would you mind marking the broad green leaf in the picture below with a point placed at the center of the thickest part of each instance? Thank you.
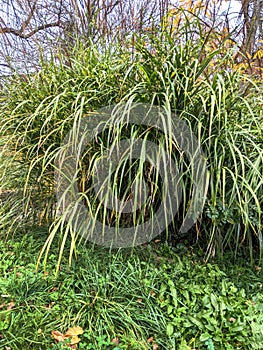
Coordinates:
(169, 329)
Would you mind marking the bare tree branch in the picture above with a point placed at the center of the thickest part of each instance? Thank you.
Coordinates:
(23, 35)
(31, 14)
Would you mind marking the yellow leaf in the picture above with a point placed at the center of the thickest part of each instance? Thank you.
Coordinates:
(71, 332)
(74, 340)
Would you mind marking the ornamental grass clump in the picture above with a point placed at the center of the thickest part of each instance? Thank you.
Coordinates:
(222, 109)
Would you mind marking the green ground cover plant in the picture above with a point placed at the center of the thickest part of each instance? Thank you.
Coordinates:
(151, 296)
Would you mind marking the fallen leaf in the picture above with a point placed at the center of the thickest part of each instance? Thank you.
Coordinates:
(150, 340)
(139, 300)
(74, 340)
(73, 331)
(11, 305)
(57, 336)
(115, 340)
(155, 347)
(232, 319)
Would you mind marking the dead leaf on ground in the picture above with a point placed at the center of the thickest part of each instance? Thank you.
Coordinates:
(74, 340)
(11, 305)
(150, 340)
(73, 331)
(72, 334)
(57, 336)
(115, 340)
(155, 347)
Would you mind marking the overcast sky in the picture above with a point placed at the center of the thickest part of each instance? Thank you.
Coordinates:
(234, 6)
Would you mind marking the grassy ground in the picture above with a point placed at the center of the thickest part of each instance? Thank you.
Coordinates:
(152, 298)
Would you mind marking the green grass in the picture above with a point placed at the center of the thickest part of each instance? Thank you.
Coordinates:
(154, 291)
